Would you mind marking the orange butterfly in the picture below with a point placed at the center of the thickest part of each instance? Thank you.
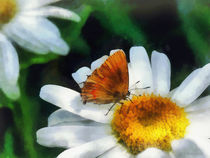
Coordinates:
(108, 83)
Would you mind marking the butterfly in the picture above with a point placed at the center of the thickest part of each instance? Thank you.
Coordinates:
(108, 83)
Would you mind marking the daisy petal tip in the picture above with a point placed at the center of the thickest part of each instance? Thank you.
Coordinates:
(61, 48)
(81, 74)
(138, 53)
(11, 91)
(14, 96)
(207, 68)
(66, 49)
(160, 55)
(39, 134)
(156, 53)
(70, 15)
(137, 49)
(75, 18)
(97, 63)
(45, 90)
(114, 50)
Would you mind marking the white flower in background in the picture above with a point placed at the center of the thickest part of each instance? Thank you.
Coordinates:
(24, 22)
(157, 124)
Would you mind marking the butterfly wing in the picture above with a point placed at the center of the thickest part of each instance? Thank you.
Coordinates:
(109, 82)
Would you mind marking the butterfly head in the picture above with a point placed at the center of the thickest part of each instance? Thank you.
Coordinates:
(128, 94)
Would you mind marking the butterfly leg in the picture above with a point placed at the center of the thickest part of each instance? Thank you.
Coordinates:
(110, 109)
(128, 109)
(129, 99)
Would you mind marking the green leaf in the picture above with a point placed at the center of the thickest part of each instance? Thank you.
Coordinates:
(8, 151)
(114, 16)
(71, 32)
(195, 20)
(26, 121)
(29, 58)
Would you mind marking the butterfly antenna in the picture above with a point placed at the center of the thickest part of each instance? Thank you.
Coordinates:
(110, 109)
(140, 88)
(146, 87)
(135, 83)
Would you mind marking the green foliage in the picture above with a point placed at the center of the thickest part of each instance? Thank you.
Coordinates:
(28, 58)
(195, 20)
(8, 151)
(71, 32)
(114, 16)
(27, 121)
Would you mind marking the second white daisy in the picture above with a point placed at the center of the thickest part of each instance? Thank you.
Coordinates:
(24, 22)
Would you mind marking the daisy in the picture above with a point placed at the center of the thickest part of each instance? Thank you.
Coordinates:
(153, 123)
(24, 22)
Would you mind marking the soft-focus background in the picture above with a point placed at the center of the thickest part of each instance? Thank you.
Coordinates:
(180, 29)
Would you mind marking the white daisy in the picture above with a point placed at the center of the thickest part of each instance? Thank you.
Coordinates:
(157, 124)
(24, 22)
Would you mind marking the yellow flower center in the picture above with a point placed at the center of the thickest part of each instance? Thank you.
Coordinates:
(148, 121)
(8, 9)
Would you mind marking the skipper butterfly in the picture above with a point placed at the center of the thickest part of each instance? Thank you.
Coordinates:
(108, 83)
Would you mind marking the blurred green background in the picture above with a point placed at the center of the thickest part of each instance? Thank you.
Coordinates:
(180, 29)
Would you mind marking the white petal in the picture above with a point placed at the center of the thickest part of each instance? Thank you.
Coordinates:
(70, 136)
(184, 83)
(9, 68)
(8, 60)
(202, 143)
(11, 91)
(61, 115)
(199, 123)
(132, 80)
(71, 101)
(116, 152)
(36, 34)
(171, 93)
(52, 11)
(97, 63)
(64, 118)
(193, 86)
(172, 155)
(26, 4)
(81, 75)
(153, 153)
(141, 68)
(114, 50)
(186, 148)
(89, 150)
(200, 104)
(161, 71)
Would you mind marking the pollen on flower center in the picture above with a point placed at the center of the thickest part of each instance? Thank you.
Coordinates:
(8, 9)
(149, 121)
